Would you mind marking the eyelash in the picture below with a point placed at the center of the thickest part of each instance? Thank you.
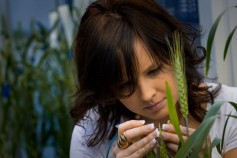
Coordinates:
(151, 72)
(155, 71)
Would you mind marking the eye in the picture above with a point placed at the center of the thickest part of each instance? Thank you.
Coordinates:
(155, 70)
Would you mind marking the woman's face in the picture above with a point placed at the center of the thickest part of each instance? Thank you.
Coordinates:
(149, 99)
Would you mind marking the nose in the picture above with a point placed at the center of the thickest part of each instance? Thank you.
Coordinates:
(146, 90)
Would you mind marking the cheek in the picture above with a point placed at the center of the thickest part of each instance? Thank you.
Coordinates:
(173, 85)
(126, 102)
(130, 103)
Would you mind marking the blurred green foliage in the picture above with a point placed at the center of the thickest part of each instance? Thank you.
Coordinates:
(36, 88)
(211, 36)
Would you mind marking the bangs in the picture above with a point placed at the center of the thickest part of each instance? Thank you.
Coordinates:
(128, 66)
(114, 64)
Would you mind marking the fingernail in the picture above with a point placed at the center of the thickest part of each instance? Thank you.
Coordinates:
(151, 126)
(142, 121)
(153, 142)
(156, 133)
(162, 135)
(165, 127)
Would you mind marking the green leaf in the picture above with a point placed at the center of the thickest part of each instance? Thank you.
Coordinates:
(214, 109)
(172, 112)
(210, 39)
(151, 154)
(218, 147)
(216, 143)
(228, 42)
(234, 105)
(223, 134)
(207, 153)
(194, 142)
(234, 116)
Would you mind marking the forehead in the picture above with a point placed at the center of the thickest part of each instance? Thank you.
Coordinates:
(144, 58)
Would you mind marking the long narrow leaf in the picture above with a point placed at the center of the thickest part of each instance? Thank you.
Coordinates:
(208, 151)
(228, 42)
(210, 39)
(234, 105)
(151, 154)
(201, 132)
(214, 109)
(223, 134)
(172, 112)
(215, 143)
(233, 116)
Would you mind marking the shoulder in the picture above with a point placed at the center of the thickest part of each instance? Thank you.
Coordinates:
(226, 93)
(82, 131)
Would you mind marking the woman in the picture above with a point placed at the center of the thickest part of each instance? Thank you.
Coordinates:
(123, 62)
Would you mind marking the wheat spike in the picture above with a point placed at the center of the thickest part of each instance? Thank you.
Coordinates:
(178, 63)
(163, 151)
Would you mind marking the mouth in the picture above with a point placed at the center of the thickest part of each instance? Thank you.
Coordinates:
(156, 106)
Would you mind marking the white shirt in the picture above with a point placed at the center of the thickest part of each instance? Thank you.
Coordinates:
(79, 148)
(226, 94)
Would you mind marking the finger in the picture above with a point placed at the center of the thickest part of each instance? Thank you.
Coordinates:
(137, 133)
(116, 150)
(139, 148)
(170, 128)
(172, 147)
(130, 124)
(144, 151)
(171, 137)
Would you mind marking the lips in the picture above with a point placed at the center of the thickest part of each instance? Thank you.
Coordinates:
(156, 106)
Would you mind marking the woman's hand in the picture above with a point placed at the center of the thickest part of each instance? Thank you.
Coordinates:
(141, 138)
(172, 140)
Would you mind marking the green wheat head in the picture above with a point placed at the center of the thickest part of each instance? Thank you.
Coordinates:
(163, 151)
(176, 51)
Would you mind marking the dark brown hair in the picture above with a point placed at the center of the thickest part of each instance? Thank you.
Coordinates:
(104, 52)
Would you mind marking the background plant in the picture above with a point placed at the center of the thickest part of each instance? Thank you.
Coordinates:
(211, 37)
(36, 86)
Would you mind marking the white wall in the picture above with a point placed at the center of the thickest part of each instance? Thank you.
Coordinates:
(226, 71)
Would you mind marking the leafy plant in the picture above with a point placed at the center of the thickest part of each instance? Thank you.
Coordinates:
(36, 84)
(193, 146)
(211, 37)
